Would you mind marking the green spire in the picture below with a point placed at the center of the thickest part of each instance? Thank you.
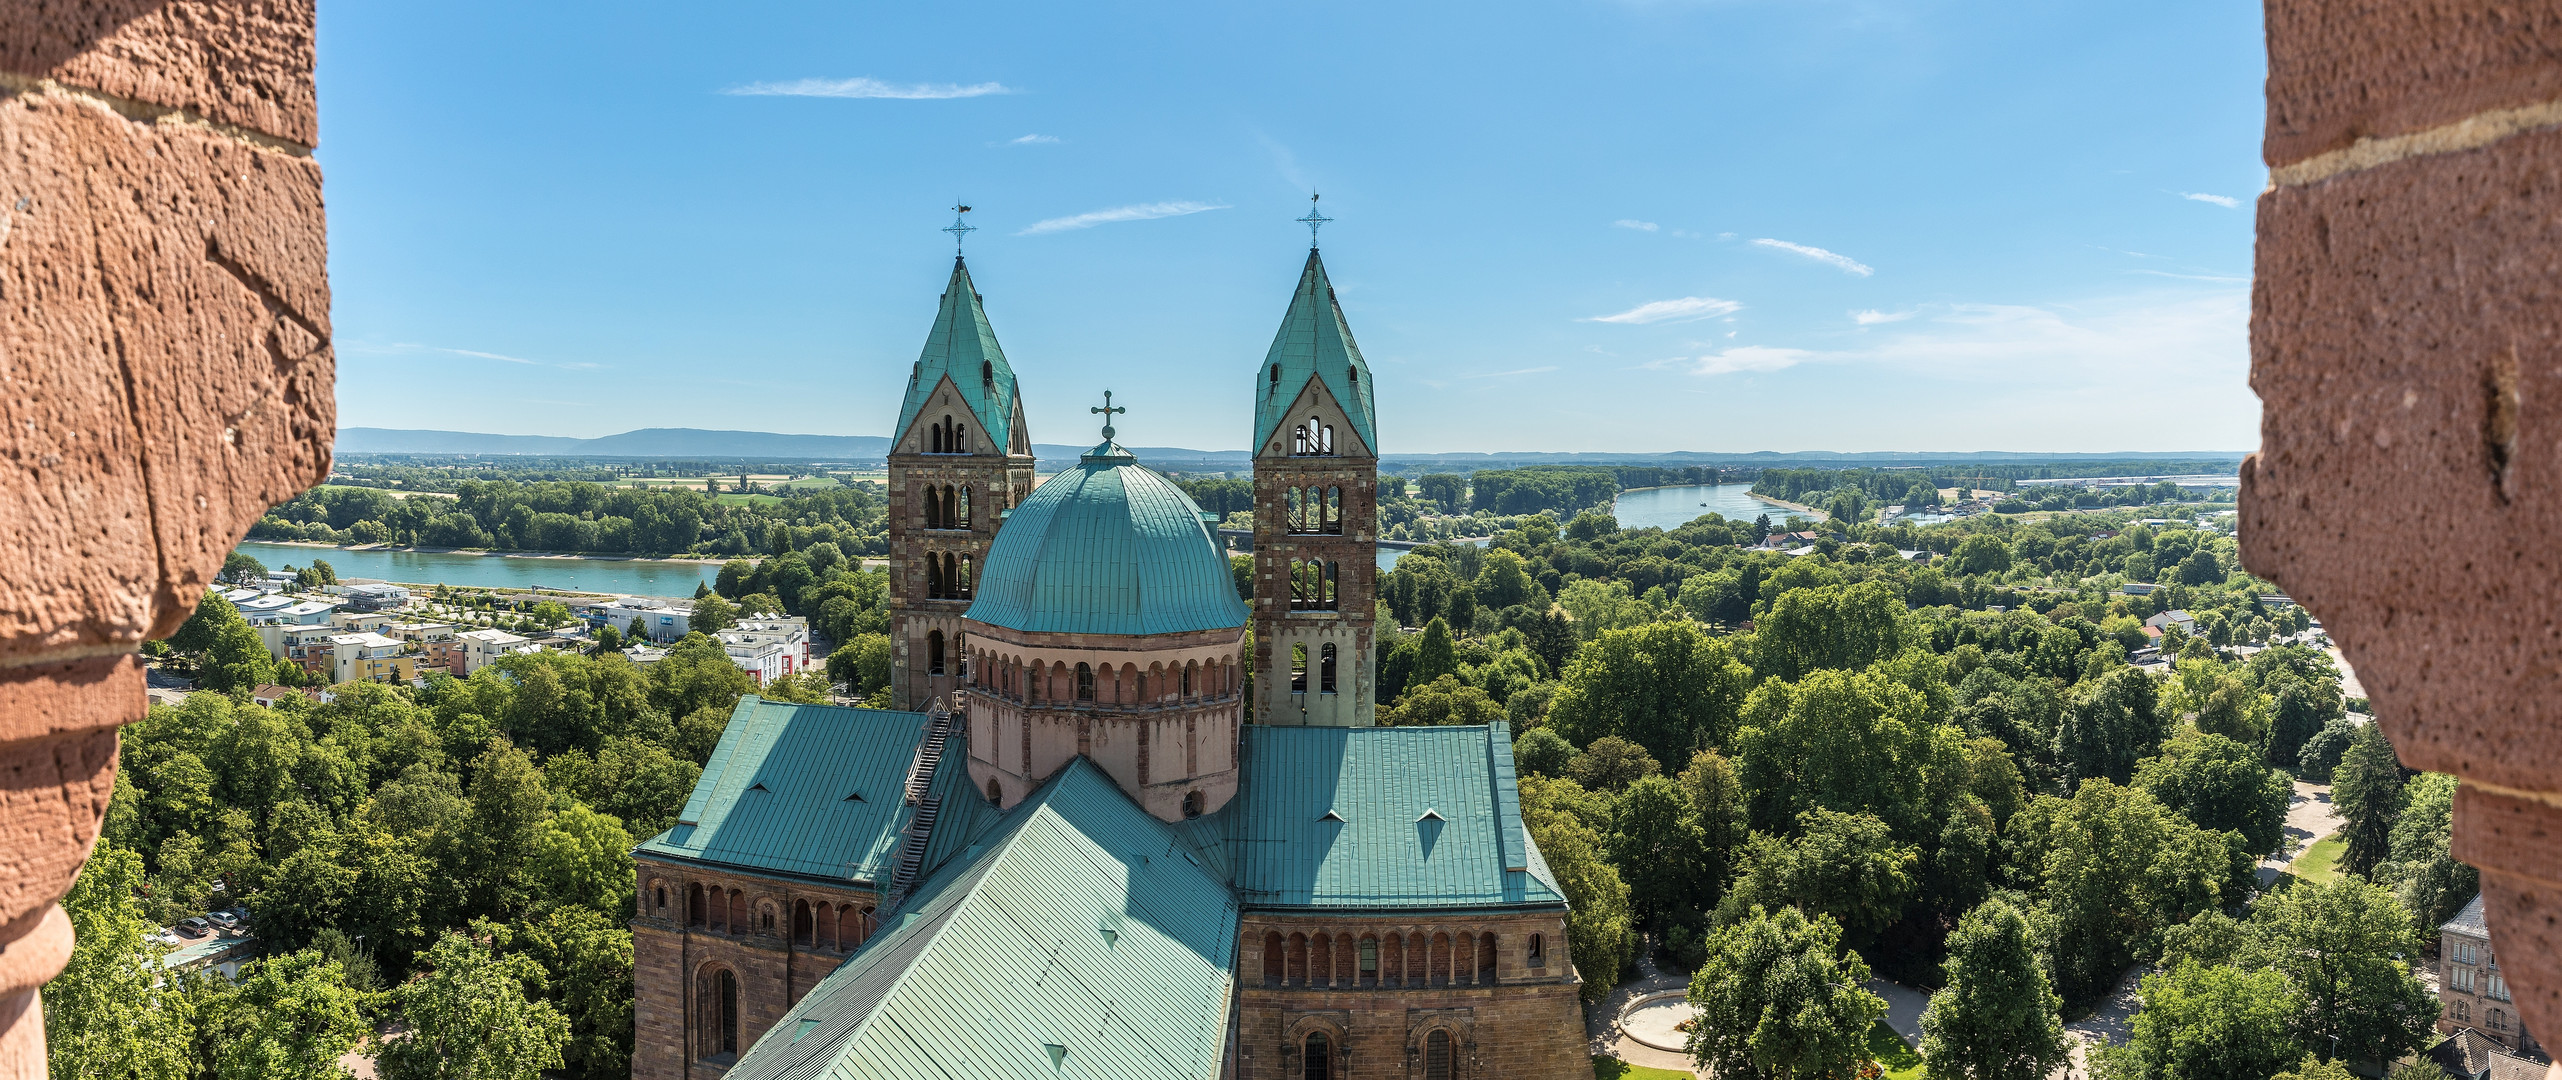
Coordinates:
(1314, 343)
(963, 348)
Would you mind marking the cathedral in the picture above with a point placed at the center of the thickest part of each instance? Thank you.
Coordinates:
(1107, 831)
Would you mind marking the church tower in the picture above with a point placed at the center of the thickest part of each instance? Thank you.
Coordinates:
(961, 456)
(1316, 489)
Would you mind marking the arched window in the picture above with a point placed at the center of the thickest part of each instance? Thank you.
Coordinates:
(661, 896)
(1326, 444)
(1485, 959)
(1334, 510)
(1084, 682)
(764, 917)
(1189, 666)
(934, 652)
(1193, 801)
(804, 927)
(717, 1036)
(1298, 668)
(960, 438)
(695, 915)
(1272, 957)
(1538, 950)
(1325, 585)
(987, 372)
(1436, 1055)
(934, 439)
(1325, 669)
(1319, 1058)
(995, 792)
(933, 508)
(2499, 1021)
(1276, 374)
(962, 580)
(965, 508)
(1369, 961)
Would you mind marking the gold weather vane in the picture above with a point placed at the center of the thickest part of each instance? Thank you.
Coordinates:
(959, 228)
(1313, 221)
(1107, 410)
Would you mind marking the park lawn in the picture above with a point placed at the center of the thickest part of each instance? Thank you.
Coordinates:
(1899, 1060)
(1605, 1067)
(2321, 862)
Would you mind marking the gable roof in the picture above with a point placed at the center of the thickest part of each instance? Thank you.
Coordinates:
(780, 792)
(2468, 919)
(961, 347)
(1314, 343)
(1078, 923)
(1388, 785)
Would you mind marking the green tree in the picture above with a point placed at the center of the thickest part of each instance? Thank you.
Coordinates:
(862, 664)
(1836, 627)
(1436, 656)
(1982, 553)
(586, 959)
(1666, 686)
(1611, 764)
(1779, 999)
(1540, 752)
(1600, 933)
(712, 615)
(1845, 867)
(113, 1013)
(1997, 1019)
(469, 1017)
(241, 568)
(2428, 881)
(608, 640)
(1857, 742)
(2367, 789)
(1716, 798)
(2220, 784)
(1660, 850)
(290, 1018)
(2116, 868)
(509, 805)
(584, 857)
(1443, 701)
(2109, 725)
(2339, 943)
(2208, 1022)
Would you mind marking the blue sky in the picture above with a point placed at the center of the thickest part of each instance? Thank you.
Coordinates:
(1728, 225)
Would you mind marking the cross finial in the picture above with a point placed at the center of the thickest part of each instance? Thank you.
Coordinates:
(1313, 221)
(1107, 409)
(960, 228)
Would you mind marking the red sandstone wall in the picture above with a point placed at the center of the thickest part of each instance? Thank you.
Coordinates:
(165, 375)
(2406, 315)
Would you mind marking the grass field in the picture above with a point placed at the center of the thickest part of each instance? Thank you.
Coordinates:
(2321, 862)
(1899, 1060)
(736, 499)
(1611, 1068)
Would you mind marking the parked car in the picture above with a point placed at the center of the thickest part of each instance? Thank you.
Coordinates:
(225, 920)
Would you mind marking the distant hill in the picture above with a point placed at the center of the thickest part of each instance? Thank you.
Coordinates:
(696, 443)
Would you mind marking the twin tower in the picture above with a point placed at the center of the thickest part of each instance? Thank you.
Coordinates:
(962, 458)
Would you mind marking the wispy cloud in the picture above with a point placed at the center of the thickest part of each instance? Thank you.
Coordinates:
(1872, 316)
(1136, 212)
(1744, 358)
(1829, 258)
(1032, 140)
(1686, 309)
(868, 88)
(2226, 279)
(2187, 334)
(1515, 371)
(414, 347)
(2226, 201)
(1640, 226)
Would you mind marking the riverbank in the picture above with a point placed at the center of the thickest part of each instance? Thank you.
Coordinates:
(485, 553)
(1803, 510)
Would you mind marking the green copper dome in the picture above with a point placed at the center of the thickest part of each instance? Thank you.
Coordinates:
(1108, 547)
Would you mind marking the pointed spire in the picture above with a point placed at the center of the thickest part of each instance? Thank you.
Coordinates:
(962, 348)
(1314, 344)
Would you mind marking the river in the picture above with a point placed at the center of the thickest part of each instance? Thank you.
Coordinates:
(638, 577)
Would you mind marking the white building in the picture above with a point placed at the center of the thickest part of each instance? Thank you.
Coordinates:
(664, 620)
(769, 647)
(480, 647)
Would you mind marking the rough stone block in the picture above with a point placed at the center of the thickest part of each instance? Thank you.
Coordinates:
(164, 315)
(2341, 70)
(2409, 480)
(53, 792)
(245, 63)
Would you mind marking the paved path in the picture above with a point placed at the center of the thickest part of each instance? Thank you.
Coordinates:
(1601, 1021)
(2309, 817)
(1904, 1007)
(2111, 1023)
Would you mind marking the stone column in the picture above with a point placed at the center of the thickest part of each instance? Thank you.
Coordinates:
(165, 375)
(2406, 343)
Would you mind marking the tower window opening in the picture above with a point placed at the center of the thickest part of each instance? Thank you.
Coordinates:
(1187, 679)
(1538, 950)
(934, 652)
(965, 509)
(933, 509)
(1325, 669)
(960, 438)
(962, 579)
(1193, 801)
(1084, 682)
(1298, 669)
(1334, 511)
(987, 372)
(728, 998)
(1276, 374)
(995, 792)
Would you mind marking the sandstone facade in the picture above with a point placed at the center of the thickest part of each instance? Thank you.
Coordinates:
(1388, 996)
(2404, 331)
(772, 937)
(164, 338)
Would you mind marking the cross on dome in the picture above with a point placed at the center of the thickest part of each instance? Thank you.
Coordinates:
(1107, 409)
(960, 228)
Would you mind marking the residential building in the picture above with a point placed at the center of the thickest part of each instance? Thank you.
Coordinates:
(363, 622)
(480, 647)
(2165, 620)
(2138, 588)
(2470, 1055)
(307, 647)
(262, 604)
(371, 657)
(769, 647)
(2472, 992)
(439, 642)
(1078, 859)
(376, 596)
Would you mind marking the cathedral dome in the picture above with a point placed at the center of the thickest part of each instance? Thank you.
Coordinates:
(1108, 547)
